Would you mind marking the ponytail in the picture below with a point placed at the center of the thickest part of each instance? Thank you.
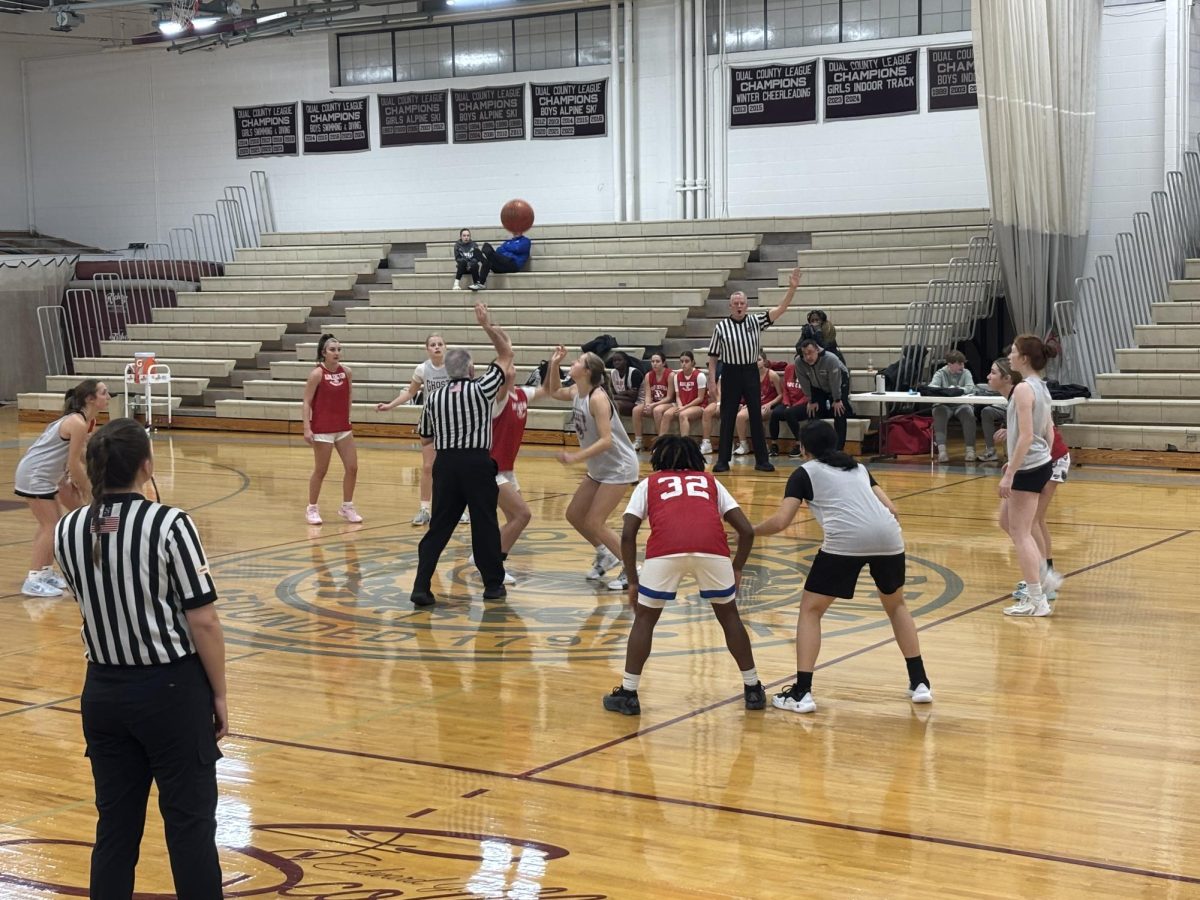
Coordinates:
(820, 442)
(115, 453)
(75, 399)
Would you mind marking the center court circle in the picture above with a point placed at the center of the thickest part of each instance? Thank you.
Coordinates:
(350, 598)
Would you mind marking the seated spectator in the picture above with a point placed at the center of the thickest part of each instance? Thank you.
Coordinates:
(691, 395)
(818, 328)
(658, 394)
(625, 381)
(769, 396)
(954, 374)
(825, 379)
(467, 257)
(793, 409)
(509, 257)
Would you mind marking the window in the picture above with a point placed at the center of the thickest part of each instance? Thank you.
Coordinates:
(595, 48)
(366, 58)
(745, 28)
(483, 48)
(544, 42)
(802, 23)
(425, 53)
(939, 16)
(870, 20)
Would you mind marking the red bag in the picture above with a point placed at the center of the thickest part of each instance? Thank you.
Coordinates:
(910, 435)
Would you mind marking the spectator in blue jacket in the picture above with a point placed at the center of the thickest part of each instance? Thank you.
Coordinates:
(510, 256)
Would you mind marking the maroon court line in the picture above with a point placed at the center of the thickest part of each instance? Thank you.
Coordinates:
(883, 832)
(839, 659)
(422, 812)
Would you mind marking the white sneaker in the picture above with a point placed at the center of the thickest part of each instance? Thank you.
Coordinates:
(989, 456)
(742, 448)
(1021, 592)
(969, 455)
(508, 579)
(921, 694)
(706, 447)
(422, 517)
(349, 513)
(478, 287)
(39, 587)
(1029, 609)
(943, 456)
(805, 704)
(52, 578)
(1052, 580)
(637, 444)
(312, 515)
(620, 583)
(456, 286)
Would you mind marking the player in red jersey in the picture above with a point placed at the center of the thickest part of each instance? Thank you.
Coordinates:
(658, 393)
(327, 425)
(685, 506)
(691, 389)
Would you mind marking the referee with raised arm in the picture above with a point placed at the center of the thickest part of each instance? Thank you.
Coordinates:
(735, 342)
(458, 416)
(154, 697)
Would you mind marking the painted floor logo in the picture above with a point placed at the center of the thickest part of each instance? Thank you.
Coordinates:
(351, 598)
(329, 862)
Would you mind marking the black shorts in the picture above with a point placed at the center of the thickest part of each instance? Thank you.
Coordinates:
(52, 495)
(1033, 480)
(836, 576)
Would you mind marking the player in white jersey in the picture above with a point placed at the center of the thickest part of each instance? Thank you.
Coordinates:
(861, 529)
(52, 477)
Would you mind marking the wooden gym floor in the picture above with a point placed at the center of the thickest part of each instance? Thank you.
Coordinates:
(380, 752)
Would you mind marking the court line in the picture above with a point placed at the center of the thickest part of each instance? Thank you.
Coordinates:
(50, 704)
(883, 642)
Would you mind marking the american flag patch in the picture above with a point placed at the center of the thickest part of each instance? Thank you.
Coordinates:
(106, 525)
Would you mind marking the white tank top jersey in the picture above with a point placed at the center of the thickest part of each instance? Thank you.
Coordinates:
(618, 464)
(855, 521)
(45, 463)
(1039, 449)
(432, 377)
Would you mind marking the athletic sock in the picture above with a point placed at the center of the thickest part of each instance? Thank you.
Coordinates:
(916, 672)
(36, 573)
(629, 681)
(1035, 591)
(750, 676)
(803, 683)
(426, 505)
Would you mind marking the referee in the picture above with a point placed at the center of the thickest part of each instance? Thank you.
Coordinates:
(458, 416)
(735, 342)
(154, 696)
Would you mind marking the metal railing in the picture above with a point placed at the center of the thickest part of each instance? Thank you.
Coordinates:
(1108, 307)
(149, 274)
(949, 311)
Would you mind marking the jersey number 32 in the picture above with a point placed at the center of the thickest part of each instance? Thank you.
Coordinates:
(694, 485)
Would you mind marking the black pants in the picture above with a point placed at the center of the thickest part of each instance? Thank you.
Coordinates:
(738, 383)
(793, 415)
(465, 266)
(824, 401)
(146, 723)
(463, 479)
(494, 262)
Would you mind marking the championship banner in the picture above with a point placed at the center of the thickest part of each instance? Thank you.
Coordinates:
(570, 109)
(416, 118)
(873, 86)
(336, 126)
(952, 78)
(773, 95)
(489, 114)
(266, 130)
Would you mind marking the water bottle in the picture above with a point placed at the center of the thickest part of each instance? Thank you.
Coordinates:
(880, 384)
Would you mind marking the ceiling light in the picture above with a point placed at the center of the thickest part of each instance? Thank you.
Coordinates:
(169, 27)
(270, 17)
(203, 23)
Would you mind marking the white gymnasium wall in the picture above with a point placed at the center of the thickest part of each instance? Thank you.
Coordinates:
(1130, 119)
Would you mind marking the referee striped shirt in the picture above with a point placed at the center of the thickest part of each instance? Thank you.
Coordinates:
(458, 415)
(736, 343)
(152, 569)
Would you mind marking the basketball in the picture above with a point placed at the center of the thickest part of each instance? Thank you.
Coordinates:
(516, 216)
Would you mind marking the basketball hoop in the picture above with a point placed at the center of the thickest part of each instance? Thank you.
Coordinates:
(181, 13)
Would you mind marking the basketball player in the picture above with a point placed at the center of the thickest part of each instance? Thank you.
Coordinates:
(612, 463)
(691, 389)
(685, 506)
(657, 397)
(861, 529)
(327, 426)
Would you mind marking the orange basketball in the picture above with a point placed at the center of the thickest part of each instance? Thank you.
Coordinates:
(516, 216)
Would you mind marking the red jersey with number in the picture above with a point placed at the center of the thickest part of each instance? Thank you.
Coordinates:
(687, 386)
(508, 428)
(684, 515)
(331, 403)
(793, 392)
(658, 384)
(1059, 448)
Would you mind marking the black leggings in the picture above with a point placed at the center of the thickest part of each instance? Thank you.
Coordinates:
(494, 262)
(468, 265)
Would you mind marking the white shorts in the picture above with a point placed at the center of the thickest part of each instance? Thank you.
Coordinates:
(660, 577)
(1059, 468)
(509, 477)
(332, 437)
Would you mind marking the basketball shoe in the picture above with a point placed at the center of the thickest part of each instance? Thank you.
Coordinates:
(790, 701)
(623, 702)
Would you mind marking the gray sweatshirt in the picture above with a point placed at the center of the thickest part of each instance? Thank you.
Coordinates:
(944, 378)
(827, 374)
